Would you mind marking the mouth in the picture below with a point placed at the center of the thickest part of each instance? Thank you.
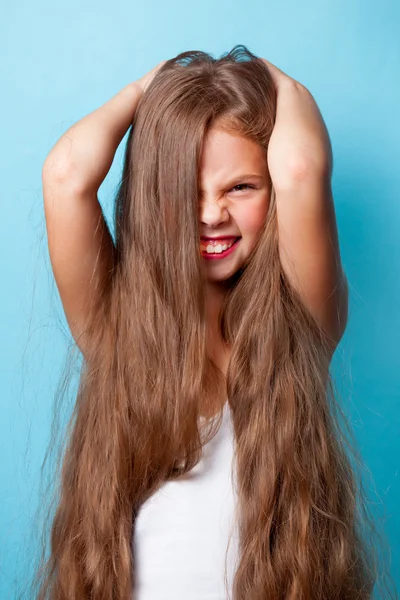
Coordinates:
(219, 254)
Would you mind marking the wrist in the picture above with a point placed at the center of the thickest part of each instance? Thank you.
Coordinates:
(119, 111)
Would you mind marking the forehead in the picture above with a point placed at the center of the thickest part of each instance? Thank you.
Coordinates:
(225, 154)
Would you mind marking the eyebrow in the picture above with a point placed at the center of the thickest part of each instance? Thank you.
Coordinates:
(239, 179)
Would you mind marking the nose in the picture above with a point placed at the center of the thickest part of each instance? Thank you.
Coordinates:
(213, 212)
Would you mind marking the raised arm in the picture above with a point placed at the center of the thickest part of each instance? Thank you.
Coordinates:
(300, 163)
(81, 248)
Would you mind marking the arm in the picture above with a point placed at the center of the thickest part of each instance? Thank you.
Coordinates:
(300, 138)
(300, 163)
(81, 248)
(85, 152)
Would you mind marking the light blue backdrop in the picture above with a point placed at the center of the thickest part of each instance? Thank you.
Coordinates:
(60, 61)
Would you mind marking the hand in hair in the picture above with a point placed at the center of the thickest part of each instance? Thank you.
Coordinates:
(145, 81)
(300, 141)
(278, 76)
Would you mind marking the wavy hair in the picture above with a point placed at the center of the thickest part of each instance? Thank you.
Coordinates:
(146, 375)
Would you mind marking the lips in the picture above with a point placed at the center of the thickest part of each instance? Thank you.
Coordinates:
(222, 239)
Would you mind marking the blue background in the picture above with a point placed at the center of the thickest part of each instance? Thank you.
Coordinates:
(60, 61)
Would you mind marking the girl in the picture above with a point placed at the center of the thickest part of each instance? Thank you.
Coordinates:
(205, 416)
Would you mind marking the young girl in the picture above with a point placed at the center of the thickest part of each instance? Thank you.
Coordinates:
(205, 459)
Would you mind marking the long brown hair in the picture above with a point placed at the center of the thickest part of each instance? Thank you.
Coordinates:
(146, 374)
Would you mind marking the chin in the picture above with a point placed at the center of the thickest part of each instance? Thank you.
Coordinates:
(228, 278)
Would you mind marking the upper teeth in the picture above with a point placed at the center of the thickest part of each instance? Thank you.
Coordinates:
(215, 247)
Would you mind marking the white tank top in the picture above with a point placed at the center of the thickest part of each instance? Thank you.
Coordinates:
(182, 531)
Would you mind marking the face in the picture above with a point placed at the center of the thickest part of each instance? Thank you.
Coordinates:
(234, 200)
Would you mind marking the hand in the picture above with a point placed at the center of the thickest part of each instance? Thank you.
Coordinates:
(278, 76)
(300, 141)
(145, 81)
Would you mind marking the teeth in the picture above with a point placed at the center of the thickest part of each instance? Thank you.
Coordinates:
(211, 249)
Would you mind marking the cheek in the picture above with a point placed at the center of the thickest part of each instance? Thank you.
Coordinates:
(252, 217)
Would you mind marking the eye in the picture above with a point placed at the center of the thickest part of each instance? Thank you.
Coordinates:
(245, 185)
